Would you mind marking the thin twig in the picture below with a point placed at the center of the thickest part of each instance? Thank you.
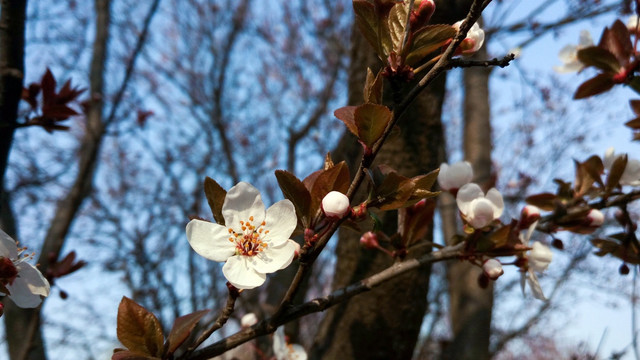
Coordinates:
(461, 63)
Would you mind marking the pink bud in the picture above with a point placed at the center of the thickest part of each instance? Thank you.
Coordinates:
(492, 268)
(528, 216)
(8, 271)
(595, 218)
(369, 240)
(248, 320)
(335, 205)
(296, 253)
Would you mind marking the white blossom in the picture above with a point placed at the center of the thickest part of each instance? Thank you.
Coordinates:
(492, 268)
(248, 320)
(540, 257)
(569, 54)
(253, 242)
(474, 40)
(453, 177)
(632, 23)
(25, 283)
(284, 351)
(335, 204)
(595, 218)
(477, 209)
(630, 175)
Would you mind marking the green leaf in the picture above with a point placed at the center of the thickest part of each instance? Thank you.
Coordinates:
(372, 92)
(617, 169)
(138, 329)
(427, 40)
(594, 86)
(215, 197)
(182, 327)
(346, 114)
(294, 190)
(545, 201)
(599, 58)
(371, 120)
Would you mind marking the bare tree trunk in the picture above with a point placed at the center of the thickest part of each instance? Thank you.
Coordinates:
(384, 324)
(470, 305)
(12, 21)
(19, 338)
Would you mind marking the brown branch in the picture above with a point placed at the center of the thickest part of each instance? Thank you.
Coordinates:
(322, 303)
(461, 63)
(220, 321)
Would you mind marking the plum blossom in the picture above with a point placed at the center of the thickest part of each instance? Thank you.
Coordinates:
(19, 280)
(248, 320)
(253, 242)
(474, 40)
(335, 204)
(492, 268)
(569, 54)
(631, 174)
(539, 259)
(477, 209)
(284, 351)
(451, 178)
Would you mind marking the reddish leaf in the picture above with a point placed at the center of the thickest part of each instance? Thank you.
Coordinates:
(617, 41)
(215, 197)
(138, 329)
(634, 124)
(594, 86)
(635, 106)
(394, 192)
(181, 329)
(427, 40)
(48, 85)
(346, 115)
(599, 58)
(294, 190)
(617, 169)
(335, 179)
(371, 121)
(367, 21)
(545, 201)
(372, 89)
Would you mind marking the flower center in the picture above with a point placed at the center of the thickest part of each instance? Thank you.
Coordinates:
(249, 241)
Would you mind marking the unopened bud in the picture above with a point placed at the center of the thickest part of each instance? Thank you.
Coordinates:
(595, 218)
(1, 309)
(335, 205)
(492, 268)
(422, 15)
(248, 320)
(528, 216)
(521, 262)
(624, 269)
(369, 240)
(8, 271)
(296, 252)
(558, 244)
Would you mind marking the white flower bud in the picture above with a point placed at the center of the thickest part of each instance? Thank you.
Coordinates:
(335, 205)
(474, 40)
(529, 215)
(492, 268)
(595, 218)
(540, 257)
(248, 320)
(451, 178)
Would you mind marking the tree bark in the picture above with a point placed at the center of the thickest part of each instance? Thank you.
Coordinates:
(470, 306)
(12, 22)
(16, 319)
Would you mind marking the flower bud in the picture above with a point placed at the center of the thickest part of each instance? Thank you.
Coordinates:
(369, 240)
(595, 218)
(248, 320)
(1, 309)
(296, 252)
(451, 178)
(492, 268)
(335, 205)
(8, 271)
(422, 15)
(528, 216)
(540, 257)
(558, 244)
(624, 269)
(474, 40)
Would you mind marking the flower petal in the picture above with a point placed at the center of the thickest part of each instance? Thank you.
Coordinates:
(568, 54)
(631, 174)
(496, 199)
(28, 286)
(466, 194)
(609, 158)
(242, 202)
(8, 246)
(280, 220)
(240, 274)
(536, 289)
(210, 240)
(273, 258)
(480, 213)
